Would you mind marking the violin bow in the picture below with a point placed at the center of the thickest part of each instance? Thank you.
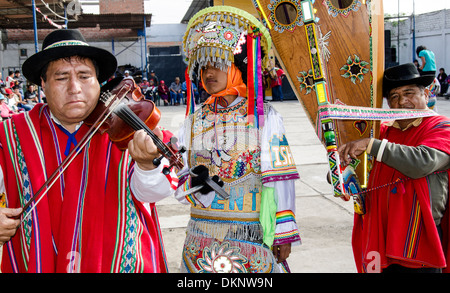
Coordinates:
(114, 103)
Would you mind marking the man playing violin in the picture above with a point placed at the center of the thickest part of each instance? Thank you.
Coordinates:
(96, 216)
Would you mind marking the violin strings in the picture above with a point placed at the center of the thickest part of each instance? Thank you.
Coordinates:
(125, 113)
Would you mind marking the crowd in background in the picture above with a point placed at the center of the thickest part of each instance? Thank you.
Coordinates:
(16, 95)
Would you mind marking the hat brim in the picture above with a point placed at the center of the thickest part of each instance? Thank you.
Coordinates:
(389, 84)
(106, 62)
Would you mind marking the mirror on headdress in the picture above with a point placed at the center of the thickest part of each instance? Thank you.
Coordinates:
(286, 13)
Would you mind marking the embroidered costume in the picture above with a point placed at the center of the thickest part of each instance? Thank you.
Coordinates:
(89, 221)
(405, 233)
(406, 224)
(251, 156)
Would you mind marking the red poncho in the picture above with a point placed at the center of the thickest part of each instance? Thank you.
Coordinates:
(89, 220)
(398, 226)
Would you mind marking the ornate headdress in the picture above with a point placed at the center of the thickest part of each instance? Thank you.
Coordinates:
(223, 35)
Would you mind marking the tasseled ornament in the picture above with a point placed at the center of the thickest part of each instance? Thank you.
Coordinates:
(255, 108)
(190, 98)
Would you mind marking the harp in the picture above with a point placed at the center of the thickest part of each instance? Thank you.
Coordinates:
(333, 54)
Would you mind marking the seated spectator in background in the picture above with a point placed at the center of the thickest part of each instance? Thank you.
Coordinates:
(5, 110)
(10, 81)
(22, 104)
(20, 81)
(152, 90)
(30, 96)
(144, 86)
(153, 77)
(196, 93)
(12, 100)
(163, 92)
(176, 95)
(126, 75)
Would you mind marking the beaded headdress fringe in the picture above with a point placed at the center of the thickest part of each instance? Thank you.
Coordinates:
(215, 35)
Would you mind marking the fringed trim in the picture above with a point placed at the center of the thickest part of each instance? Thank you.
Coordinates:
(246, 230)
(247, 236)
(219, 56)
(220, 52)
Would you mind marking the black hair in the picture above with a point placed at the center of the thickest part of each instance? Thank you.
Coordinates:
(419, 49)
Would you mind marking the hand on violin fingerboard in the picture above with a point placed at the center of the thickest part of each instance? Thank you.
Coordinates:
(143, 150)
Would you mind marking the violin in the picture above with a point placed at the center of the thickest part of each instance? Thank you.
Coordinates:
(120, 111)
(131, 114)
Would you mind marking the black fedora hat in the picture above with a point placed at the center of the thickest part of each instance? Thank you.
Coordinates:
(402, 75)
(65, 43)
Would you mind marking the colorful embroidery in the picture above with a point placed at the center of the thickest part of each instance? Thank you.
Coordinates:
(258, 265)
(227, 235)
(282, 162)
(3, 200)
(26, 195)
(314, 51)
(343, 112)
(414, 230)
(286, 217)
(444, 124)
(222, 259)
(127, 253)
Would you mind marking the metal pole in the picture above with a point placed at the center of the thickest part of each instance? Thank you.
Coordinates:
(33, 4)
(142, 61)
(145, 48)
(414, 33)
(66, 21)
(36, 47)
(398, 32)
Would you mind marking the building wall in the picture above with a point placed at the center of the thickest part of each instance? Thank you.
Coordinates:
(432, 31)
(167, 66)
(118, 41)
(124, 6)
(127, 52)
